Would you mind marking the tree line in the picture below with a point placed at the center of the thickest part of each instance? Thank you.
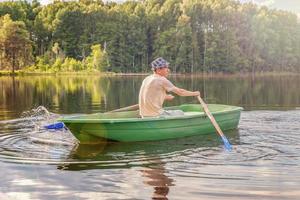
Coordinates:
(193, 35)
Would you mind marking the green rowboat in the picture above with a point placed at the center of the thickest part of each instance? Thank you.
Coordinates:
(128, 126)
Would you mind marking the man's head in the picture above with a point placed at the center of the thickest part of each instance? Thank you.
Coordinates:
(160, 66)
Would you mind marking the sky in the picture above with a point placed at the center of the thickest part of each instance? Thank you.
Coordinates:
(289, 5)
(43, 2)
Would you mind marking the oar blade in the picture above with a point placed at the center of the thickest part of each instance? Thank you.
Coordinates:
(215, 124)
(55, 126)
(227, 145)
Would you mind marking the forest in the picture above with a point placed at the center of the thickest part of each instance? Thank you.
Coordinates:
(195, 36)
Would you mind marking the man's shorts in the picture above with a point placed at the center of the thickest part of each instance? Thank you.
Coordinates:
(168, 113)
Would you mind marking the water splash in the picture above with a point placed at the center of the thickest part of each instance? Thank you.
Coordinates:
(25, 138)
(39, 117)
(40, 111)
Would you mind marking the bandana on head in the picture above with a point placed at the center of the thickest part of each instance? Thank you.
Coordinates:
(159, 63)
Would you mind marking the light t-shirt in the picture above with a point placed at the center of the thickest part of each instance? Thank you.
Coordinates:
(152, 95)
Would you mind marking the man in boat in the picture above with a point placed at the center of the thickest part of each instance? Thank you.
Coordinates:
(153, 91)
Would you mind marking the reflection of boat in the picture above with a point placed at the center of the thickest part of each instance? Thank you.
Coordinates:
(145, 161)
(128, 127)
(116, 155)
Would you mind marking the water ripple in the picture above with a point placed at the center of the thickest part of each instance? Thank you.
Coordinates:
(24, 139)
(271, 137)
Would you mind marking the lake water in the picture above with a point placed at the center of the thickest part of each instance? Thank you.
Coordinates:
(40, 164)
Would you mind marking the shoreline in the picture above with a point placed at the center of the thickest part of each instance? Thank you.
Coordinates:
(97, 73)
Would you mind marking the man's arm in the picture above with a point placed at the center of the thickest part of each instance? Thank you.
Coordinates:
(183, 92)
(169, 97)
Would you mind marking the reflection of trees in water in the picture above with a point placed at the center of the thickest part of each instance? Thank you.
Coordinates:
(57, 93)
(68, 94)
(247, 91)
(84, 94)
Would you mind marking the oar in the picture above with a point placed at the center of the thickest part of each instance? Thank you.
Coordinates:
(213, 121)
(55, 126)
(128, 108)
(60, 125)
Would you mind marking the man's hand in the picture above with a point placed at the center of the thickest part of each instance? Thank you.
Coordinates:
(197, 93)
(169, 97)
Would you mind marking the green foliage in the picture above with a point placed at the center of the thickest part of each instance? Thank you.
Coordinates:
(98, 59)
(56, 61)
(70, 64)
(193, 35)
(15, 45)
(57, 65)
(42, 63)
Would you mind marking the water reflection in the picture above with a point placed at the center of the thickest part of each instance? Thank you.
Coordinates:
(39, 164)
(152, 165)
(264, 163)
(136, 154)
(86, 94)
(150, 158)
(156, 177)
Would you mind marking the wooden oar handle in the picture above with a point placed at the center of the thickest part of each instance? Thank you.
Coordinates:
(210, 116)
(214, 122)
(128, 108)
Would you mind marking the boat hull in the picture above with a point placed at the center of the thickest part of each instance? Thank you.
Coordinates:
(136, 129)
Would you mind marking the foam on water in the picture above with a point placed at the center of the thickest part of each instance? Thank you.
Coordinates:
(26, 139)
